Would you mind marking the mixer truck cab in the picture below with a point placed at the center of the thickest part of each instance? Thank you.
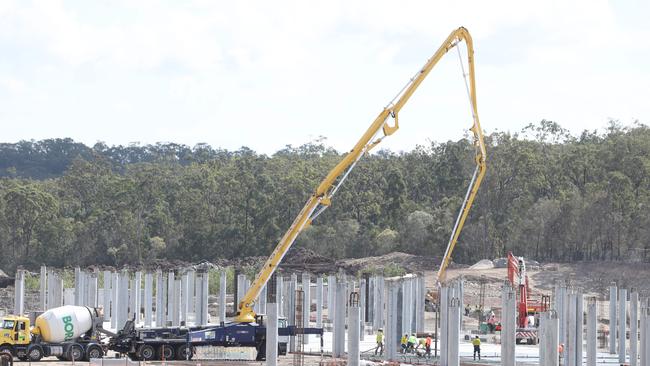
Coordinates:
(15, 330)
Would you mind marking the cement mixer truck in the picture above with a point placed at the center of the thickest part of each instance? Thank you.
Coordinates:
(67, 332)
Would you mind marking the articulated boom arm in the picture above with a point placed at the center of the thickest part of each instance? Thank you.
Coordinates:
(321, 199)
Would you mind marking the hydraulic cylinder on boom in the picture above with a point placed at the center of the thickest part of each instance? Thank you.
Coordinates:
(385, 124)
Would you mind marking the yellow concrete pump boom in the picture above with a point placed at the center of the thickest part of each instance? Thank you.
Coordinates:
(321, 198)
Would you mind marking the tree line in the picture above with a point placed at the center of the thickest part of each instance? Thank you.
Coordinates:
(547, 195)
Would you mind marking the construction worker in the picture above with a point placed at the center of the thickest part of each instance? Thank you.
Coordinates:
(412, 341)
(380, 342)
(476, 342)
(530, 319)
(491, 322)
(403, 342)
(427, 345)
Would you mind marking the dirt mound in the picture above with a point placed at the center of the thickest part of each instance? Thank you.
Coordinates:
(409, 262)
(482, 264)
(299, 255)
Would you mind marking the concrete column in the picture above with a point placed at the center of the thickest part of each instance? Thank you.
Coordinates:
(419, 302)
(592, 333)
(115, 293)
(262, 299)
(137, 294)
(413, 305)
(77, 286)
(92, 289)
(131, 292)
(185, 297)
(193, 289)
(241, 287)
(19, 292)
(613, 304)
(362, 307)
(319, 302)
(580, 319)
(222, 295)
(570, 346)
(622, 326)
(272, 334)
(123, 299)
(338, 335)
(331, 295)
(400, 306)
(645, 333)
(549, 339)
(148, 299)
(247, 286)
(43, 288)
(354, 324)
(566, 319)
(306, 304)
(58, 290)
(279, 298)
(202, 278)
(171, 294)
(107, 295)
(407, 306)
(560, 296)
(508, 326)
(176, 303)
(50, 286)
(453, 325)
(444, 325)
(370, 305)
(291, 303)
(160, 299)
(634, 328)
(392, 333)
(542, 336)
(378, 300)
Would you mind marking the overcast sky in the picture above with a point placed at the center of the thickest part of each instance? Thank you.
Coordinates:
(270, 73)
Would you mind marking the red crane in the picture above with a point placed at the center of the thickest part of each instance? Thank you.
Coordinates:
(519, 280)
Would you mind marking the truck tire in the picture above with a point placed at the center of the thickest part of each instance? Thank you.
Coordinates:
(165, 352)
(74, 352)
(7, 349)
(184, 352)
(34, 353)
(94, 351)
(146, 352)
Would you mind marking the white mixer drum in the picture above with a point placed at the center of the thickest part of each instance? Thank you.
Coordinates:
(64, 323)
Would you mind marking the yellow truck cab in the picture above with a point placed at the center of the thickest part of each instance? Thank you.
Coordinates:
(15, 331)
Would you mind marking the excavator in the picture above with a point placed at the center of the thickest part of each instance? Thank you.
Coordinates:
(384, 125)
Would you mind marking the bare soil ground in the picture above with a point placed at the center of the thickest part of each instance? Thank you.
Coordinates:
(593, 278)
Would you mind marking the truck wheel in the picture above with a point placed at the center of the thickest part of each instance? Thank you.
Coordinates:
(75, 352)
(146, 352)
(34, 353)
(94, 352)
(7, 349)
(166, 352)
(184, 352)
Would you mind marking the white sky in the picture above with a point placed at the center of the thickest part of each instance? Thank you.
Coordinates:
(270, 73)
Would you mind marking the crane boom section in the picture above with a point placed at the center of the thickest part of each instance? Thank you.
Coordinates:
(321, 198)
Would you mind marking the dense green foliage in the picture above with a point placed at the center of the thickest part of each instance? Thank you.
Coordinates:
(547, 195)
